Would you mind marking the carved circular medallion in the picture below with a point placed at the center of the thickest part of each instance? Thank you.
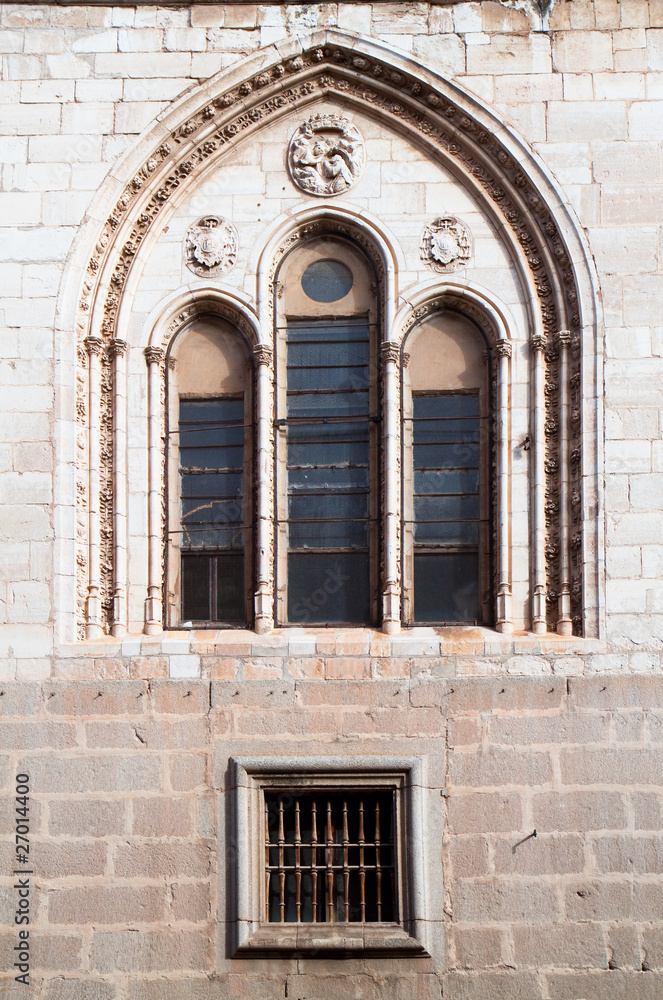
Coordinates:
(446, 244)
(326, 155)
(210, 247)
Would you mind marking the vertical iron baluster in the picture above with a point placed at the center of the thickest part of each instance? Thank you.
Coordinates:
(362, 872)
(330, 865)
(346, 870)
(298, 874)
(281, 862)
(378, 869)
(267, 871)
(314, 859)
(392, 869)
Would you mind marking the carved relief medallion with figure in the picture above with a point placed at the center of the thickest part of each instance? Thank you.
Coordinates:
(326, 155)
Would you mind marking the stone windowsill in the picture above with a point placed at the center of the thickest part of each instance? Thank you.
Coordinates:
(296, 642)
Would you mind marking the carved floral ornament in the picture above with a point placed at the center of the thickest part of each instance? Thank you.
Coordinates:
(399, 98)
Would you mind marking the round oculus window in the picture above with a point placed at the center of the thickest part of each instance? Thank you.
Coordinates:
(327, 280)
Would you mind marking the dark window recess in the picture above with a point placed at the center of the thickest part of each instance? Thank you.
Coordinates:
(212, 545)
(446, 453)
(330, 857)
(328, 472)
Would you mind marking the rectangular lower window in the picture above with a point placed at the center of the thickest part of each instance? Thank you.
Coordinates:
(330, 857)
(211, 433)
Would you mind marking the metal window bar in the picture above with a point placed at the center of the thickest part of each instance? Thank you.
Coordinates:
(211, 439)
(352, 880)
(447, 520)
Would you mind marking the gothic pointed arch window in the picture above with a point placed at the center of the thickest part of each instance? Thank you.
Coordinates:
(209, 546)
(327, 439)
(447, 448)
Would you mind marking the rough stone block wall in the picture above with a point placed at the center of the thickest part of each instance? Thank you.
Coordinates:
(128, 763)
(130, 800)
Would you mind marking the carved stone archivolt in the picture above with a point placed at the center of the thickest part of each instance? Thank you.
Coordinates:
(210, 246)
(400, 99)
(446, 244)
(326, 155)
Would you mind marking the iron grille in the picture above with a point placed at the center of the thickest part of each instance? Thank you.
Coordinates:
(330, 857)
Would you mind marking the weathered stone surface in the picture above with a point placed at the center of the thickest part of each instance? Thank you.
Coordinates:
(131, 824)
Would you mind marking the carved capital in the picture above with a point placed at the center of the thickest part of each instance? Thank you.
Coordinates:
(390, 353)
(154, 355)
(93, 346)
(262, 354)
(563, 338)
(539, 342)
(503, 348)
(118, 348)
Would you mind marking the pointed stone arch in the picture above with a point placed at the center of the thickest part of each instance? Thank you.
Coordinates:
(499, 169)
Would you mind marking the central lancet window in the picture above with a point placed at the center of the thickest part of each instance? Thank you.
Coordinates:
(327, 436)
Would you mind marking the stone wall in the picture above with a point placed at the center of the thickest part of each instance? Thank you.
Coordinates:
(129, 794)
(127, 740)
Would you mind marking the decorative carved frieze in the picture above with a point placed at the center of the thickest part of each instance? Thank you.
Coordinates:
(446, 244)
(326, 155)
(210, 246)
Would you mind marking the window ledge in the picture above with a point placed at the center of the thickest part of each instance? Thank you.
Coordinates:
(425, 642)
(283, 939)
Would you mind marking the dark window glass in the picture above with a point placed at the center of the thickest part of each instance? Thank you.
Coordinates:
(446, 454)
(211, 475)
(213, 587)
(330, 856)
(327, 280)
(328, 587)
(328, 459)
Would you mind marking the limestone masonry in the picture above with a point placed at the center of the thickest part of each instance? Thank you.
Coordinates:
(187, 194)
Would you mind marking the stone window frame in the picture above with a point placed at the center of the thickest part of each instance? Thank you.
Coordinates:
(250, 776)
(98, 590)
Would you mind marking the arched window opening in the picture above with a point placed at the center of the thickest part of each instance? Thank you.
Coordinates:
(209, 564)
(446, 456)
(326, 449)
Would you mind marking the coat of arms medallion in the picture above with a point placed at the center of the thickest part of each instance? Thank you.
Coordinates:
(210, 246)
(446, 244)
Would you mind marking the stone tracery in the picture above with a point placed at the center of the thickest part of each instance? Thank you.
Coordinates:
(408, 104)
